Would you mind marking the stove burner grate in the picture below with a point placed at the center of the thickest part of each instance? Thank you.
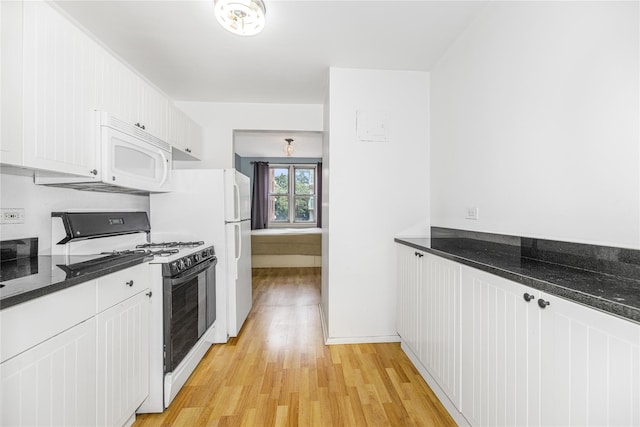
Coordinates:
(159, 252)
(158, 245)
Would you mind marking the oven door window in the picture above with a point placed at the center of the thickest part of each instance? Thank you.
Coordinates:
(188, 317)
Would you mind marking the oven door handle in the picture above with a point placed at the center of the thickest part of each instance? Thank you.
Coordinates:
(190, 274)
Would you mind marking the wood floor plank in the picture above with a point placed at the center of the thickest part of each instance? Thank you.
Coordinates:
(279, 372)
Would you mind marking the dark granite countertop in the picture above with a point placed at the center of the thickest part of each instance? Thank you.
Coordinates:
(25, 279)
(611, 286)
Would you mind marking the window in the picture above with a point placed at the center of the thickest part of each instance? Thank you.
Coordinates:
(292, 195)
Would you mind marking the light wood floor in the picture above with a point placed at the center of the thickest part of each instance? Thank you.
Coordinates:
(278, 372)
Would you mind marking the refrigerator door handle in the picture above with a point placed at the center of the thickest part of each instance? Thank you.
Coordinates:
(236, 202)
(238, 237)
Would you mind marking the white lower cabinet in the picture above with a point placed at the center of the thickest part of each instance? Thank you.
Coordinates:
(589, 366)
(90, 366)
(409, 278)
(499, 350)
(440, 323)
(122, 360)
(53, 383)
(429, 315)
(503, 356)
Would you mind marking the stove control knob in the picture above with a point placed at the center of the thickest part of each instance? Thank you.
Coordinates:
(188, 262)
(180, 264)
(196, 257)
(174, 266)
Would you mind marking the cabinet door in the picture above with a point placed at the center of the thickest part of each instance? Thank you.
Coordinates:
(185, 135)
(121, 89)
(408, 296)
(52, 383)
(154, 111)
(122, 359)
(590, 366)
(128, 97)
(499, 350)
(439, 340)
(59, 93)
(11, 82)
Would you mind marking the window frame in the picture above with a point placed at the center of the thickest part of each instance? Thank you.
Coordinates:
(291, 195)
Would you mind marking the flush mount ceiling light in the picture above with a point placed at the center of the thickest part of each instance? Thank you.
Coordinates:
(288, 148)
(242, 17)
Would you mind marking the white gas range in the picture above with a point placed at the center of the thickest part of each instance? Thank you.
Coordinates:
(182, 282)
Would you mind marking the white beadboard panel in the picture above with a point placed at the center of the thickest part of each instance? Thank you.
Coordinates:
(59, 93)
(408, 300)
(440, 323)
(52, 383)
(499, 347)
(590, 366)
(122, 360)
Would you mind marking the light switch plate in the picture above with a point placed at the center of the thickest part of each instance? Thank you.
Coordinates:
(472, 213)
(12, 216)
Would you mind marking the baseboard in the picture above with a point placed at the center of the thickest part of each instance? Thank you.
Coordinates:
(362, 340)
(435, 387)
(284, 261)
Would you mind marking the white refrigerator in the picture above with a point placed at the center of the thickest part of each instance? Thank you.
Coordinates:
(213, 205)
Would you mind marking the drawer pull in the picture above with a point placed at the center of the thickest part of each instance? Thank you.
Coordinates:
(528, 297)
(129, 283)
(149, 294)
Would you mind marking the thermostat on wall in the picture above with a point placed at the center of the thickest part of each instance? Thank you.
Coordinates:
(372, 125)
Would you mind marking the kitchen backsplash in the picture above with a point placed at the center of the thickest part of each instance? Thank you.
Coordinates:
(38, 202)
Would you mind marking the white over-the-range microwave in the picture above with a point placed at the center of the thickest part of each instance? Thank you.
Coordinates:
(131, 160)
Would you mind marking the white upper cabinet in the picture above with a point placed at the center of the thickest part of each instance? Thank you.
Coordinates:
(185, 135)
(54, 77)
(125, 95)
(59, 93)
(11, 82)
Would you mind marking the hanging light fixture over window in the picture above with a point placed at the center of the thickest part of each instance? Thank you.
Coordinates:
(242, 17)
(288, 148)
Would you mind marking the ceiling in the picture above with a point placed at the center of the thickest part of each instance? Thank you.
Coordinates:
(179, 46)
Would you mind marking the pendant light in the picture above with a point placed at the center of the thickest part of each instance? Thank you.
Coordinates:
(288, 148)
(242, 17)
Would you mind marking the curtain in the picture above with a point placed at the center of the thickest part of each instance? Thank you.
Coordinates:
(319, 195)
(259, 201)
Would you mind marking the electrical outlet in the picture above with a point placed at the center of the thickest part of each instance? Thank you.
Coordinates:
(12, 216)
(472, 213)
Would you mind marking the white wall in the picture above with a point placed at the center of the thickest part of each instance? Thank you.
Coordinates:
(377, 190)
(535, 122)
(219, 120)
(39, 201)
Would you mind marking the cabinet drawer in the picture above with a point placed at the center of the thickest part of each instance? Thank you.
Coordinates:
(25, 325)
(121, 285)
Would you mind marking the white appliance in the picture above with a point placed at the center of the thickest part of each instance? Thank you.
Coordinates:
(213, 205)
(131, 161)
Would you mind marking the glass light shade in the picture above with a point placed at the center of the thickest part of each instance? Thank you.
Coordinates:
(242, 17)
(288, 149)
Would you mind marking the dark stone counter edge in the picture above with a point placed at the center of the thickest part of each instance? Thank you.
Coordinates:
(608, 306)
(55, 287)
